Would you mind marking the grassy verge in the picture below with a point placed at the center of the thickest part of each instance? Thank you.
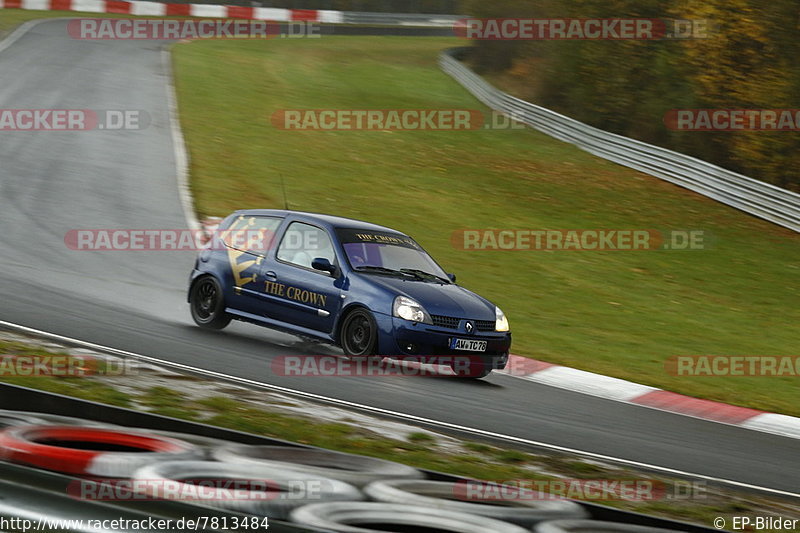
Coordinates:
(11, 18)
(208, 402)
(618, 313)
(79, 387)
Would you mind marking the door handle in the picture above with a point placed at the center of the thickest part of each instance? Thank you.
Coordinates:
(269, 274)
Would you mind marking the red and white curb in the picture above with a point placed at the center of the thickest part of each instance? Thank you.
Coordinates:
(620, 390)
(158, 9)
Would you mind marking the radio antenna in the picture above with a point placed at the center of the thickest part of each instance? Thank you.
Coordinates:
(283, 188)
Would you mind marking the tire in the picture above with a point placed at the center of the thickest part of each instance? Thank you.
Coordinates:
(90, 451)
(28, 418)
(595, 526)
(359, 333)
(206, 444)
(442, 495)
(346, 517)
(273, 504)
(207, 304)
(356, 470)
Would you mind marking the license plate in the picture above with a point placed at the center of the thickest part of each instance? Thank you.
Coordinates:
(468, 345)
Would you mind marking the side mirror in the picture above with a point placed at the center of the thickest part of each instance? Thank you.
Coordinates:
(320, 263)
(452, 277)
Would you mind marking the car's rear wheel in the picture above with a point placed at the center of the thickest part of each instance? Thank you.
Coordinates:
(207, 304)
(359, 334)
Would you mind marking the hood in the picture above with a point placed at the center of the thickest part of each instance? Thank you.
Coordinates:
(437, 299)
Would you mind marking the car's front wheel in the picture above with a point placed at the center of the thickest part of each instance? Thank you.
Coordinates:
(207, 304)
(359, 334)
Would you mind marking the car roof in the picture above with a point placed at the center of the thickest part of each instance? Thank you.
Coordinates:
(331, 221)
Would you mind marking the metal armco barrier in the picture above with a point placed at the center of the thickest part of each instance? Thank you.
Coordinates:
(402, 19)
(755, 197)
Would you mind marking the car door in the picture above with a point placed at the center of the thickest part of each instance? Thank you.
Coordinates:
(297, 293)
(246, 242)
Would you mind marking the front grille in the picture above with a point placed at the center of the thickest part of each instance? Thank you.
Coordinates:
(485, 325)
(445, 321)
(450, 322)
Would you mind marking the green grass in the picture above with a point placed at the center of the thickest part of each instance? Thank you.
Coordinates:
(617, 313)
(11, 18)
(166, 402)
(421, 438)
(69, 386)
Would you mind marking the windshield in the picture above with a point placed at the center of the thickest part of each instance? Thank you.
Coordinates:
(378, 251)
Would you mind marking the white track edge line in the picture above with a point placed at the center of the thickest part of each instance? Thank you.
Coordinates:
(396, 414)
(181, 163)
(179, 145)
(21, 30)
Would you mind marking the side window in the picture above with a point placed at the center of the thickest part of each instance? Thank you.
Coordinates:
(251, 234)
(302, 243)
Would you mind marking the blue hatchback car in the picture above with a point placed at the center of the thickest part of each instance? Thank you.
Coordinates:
(369, 289)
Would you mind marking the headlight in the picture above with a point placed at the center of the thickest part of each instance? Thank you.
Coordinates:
(501, 322)
(409, 309)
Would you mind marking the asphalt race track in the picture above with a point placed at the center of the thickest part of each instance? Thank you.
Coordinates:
(51, 182)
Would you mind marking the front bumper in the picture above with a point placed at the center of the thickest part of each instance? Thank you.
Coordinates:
(398, 337)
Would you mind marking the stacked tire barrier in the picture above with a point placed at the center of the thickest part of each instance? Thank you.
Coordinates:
(280, 481)
(440, 495)
(105, 452)
(17, 418)
(757, 198)
(353, 493)
(357, 470)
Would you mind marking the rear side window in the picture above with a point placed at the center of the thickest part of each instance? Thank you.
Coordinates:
(251, 234)
(302, 243)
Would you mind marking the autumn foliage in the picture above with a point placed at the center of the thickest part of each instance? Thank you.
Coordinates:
(748, 60)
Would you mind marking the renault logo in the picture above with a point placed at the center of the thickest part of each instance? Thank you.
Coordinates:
(469, 326)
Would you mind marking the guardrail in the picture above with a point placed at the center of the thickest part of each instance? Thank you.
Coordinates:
(755, 197)
(400, 19)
